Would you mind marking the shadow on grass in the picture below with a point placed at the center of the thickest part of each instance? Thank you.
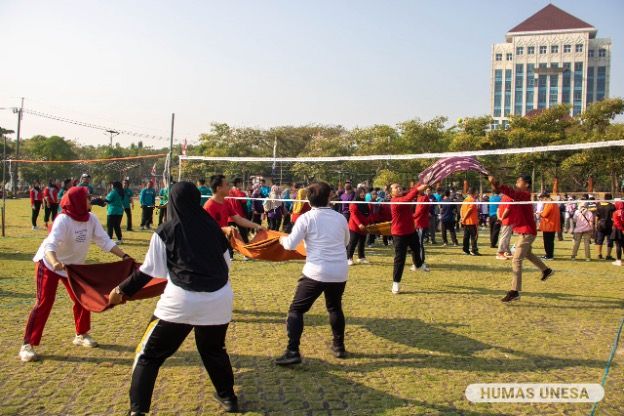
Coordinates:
(16, 295)
(6, 256)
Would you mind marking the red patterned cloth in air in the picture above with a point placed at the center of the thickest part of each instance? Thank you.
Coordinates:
(448, 166)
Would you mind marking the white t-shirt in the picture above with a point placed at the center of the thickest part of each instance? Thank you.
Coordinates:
(325, 234)
(70, 240)
(183, 306)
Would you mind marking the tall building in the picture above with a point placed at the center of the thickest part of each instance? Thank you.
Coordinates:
(551, 58)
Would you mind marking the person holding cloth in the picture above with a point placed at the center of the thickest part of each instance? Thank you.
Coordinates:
(326, 235)
(68, 243)
(404, 233)
(190, 250)
(522, 219)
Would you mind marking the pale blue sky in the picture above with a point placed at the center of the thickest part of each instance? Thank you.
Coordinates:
(259, 63)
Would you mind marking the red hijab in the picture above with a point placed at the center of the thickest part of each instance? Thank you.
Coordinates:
(74, 203)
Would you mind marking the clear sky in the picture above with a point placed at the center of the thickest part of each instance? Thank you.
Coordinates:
(130, 64)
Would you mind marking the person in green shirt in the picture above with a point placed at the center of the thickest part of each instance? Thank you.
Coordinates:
(204, 190)
(115, 210)
(67, 183)
(85, 180)
(163, 199)
(128, 204)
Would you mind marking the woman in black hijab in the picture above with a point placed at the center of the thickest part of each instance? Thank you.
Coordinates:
(191, 251)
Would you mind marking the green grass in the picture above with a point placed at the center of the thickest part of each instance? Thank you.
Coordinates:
(411, 354)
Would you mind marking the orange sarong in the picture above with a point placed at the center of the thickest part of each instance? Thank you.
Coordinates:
(265, 246)
(380, 228)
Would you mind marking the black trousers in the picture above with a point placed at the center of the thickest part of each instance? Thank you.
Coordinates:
(307, 292)
(561, 223)
(470, 239)
(549, 243)
(35, 212)
(494, 230)
(162, 215)
(243, 231)
(356, 240)
(275, 223)
(113, 223)
(147, 214)
(401, 244)
(161, 340)
(128, 212)
(286, 222)
(51, 211)
(422, 234)
(450, 227)
(433, 226)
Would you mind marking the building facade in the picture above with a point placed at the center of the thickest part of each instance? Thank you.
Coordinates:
(549, 59)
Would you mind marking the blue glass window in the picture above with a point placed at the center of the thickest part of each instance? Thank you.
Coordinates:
(590, 84)
(553, 99)
(566, 81)
(498, 91)
(530, 89)
(578, 88)
(542, 90)
(507, 92)
(601, 83)
(519, 89)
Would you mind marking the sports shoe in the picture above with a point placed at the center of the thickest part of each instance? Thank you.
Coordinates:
(501, 256)
(119, 242)
(396, 288)
(587, 259)
(363, 261)
(609, 258)
(34, 227)
(509, 255)
(546, 274)
(422, 268)
(229, 403)
(85, 340)
(599, 256)
(617, 263)
(350, 262)
(511, 296)
(27, 353)
(142, 228)
(475, 253)
(289, 358)
(339, 351)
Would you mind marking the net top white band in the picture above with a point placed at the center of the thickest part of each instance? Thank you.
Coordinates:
(519, 150)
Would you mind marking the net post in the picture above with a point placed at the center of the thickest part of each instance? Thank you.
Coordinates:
(170, 153)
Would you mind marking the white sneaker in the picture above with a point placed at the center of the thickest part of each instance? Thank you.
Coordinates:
(617, 263)
(396, 288)
(423, 268)
(85, 341)
(501, 257)
(350, 262)
(27, 353)
(362, 261)
(413, 268)
(34, 227)
(119, 242)
(246, 259)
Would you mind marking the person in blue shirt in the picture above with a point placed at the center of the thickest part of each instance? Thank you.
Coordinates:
(85, 180)
(448, 219)
(147, 199)
(204, 190)
(264, 189)
(495, 224)
(128, 204)
(115, 210)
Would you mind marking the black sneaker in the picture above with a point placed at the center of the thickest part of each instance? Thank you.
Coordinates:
(466, 252)
(546, 274)
(511, 296)
(339, 352)
(475, 253)
(609, 258)
(229, 403)
(599, 256)
(289, 358)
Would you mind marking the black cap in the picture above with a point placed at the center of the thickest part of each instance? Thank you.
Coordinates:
(526, 178)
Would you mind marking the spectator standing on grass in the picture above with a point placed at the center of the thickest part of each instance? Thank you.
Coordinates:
(448, 213)
(550, 221)
(239, 206)
(163, 200)
(326, 235)
(50, 201)
(128, 203)
(421, 224)
(85, 181)
(562, 211)
(495, 224)
(67, 183)
(301, 206)
(617, 232)
(67, 243)
(570, 208)
(347, 196)
(469, 214)
(358, 220)
(147, 200)
(604, 226)
(274, 208)
(204, 190)
(115, 210)
(256, 204)
(286, 194)
(583, 229)
(36, 199)
(506, 229)
(522, 218)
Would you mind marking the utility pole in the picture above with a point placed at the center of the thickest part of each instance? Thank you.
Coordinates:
(4, 163)
(20, 112)
(112, 134)
(170, 152)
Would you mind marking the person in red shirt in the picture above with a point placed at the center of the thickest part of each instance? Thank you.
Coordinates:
(239, 206)
(358, 219)
(221, 211)
(403, 232)
(523, 222)
(617, 232)
(36, 199)
(421, 224)
(50, 202)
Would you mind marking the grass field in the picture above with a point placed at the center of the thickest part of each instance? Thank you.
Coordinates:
(411, 354)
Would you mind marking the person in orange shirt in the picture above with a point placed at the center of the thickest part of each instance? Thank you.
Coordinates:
(469, 215)
(549, 224)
